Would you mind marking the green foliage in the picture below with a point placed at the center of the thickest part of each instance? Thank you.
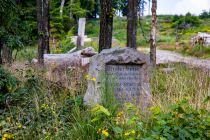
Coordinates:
(18, 24)
(76, 9)
(92, 28)
(8, 87)
(197, 51)
(80, 8)
(204, 15)
(48, 111)
(187, 21)
(65, 45)
(60, 25)
(28, 53)
(181, 122)
(42, 113)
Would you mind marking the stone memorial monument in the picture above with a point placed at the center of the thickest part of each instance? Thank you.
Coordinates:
(81, 32)
(126, 70)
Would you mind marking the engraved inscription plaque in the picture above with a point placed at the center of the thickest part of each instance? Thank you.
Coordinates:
(126, 81)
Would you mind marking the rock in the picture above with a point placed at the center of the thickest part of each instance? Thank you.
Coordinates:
(34, 61)
(70, 59)
(201, 39)
(131, 69)
(168, 70)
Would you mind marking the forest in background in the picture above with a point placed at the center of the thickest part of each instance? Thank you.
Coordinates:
(35, 102)
(19, 27)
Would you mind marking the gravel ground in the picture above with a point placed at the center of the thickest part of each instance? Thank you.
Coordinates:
(164, 56)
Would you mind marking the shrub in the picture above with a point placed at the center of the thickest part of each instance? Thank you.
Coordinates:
(183, 22)
(204, 15)
(8, 85)
(51, 111)
(65, 46)
(181, 122)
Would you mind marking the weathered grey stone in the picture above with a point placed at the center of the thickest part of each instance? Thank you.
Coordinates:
(70, 59)
(201, 39)
(81, 32)
(129, 66)
(168, 70)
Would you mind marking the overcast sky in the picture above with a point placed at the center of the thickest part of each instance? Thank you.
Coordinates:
(182, 6)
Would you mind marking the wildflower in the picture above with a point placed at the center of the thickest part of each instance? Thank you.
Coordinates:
(8, 136)
(133, 131)
(127, 133)
(87, 76)
(93, 79)
(120, 114)
(19, 125)
(105, 132)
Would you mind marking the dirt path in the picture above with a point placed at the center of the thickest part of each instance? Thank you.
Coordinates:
(164, 56)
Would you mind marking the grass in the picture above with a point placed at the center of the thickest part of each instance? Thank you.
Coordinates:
(27, 53)
(48, 103)
(183, 82)
(165, 36)
(53, 109)
(198, 51)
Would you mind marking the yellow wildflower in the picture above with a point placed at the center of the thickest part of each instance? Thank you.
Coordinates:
(120, 114)
(8, 136)
(19, 125)
(105, 132)
(127, 133)
(133, 131)
(87, 76)
(93, 79)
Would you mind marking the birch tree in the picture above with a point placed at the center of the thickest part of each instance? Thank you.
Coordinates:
(153, 36)
(61, 7)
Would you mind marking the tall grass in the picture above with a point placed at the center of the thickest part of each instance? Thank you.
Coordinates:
(54, 110)
(182, 83)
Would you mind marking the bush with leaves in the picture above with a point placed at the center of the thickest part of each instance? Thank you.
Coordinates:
(184, 22)
(181, 121)
(8, 87)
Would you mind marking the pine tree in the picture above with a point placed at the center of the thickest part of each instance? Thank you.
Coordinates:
(132, 23)
(106, 25)
(43, 28)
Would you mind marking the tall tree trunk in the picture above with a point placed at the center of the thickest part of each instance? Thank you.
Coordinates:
(153, 36)
(61, 7)
(43, 28)
(1, 46)
(132, 23)
(47, 25)
(7, 55)
(106, 25)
